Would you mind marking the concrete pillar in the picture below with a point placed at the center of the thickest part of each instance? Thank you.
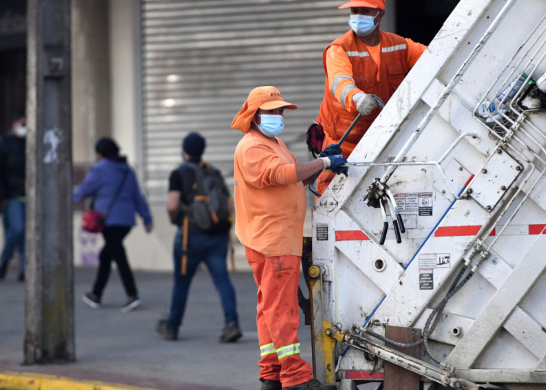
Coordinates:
(124, 67)
(49, 303)
(91, 77)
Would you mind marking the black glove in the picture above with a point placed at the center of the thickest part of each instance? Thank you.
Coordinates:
(331, 150)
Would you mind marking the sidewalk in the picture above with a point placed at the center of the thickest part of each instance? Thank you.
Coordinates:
(124, 348)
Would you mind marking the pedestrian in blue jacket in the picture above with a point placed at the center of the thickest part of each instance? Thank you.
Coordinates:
(110, 173)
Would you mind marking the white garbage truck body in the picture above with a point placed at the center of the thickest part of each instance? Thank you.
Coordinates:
(470, 188)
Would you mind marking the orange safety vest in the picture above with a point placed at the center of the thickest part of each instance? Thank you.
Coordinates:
(334, 117)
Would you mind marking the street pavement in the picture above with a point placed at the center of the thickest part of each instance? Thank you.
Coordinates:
(124, 348)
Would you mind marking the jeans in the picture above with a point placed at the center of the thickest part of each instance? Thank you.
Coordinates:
(113, 249)
(212, 249)
(14, 224)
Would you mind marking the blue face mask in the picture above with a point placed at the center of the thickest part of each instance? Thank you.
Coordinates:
(271, 125)
(363, 25)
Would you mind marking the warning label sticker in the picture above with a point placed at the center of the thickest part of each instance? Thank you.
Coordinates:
(425, 204)
(434, 260)
(322, 232)
(400, 201)
(408, 203)
(412, 202)
(426, 279)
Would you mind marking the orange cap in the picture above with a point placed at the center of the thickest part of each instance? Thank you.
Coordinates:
(365, 3)
(266, 98)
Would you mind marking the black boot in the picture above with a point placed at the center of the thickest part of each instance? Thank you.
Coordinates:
(164, 330)
(231, 333)
(268, 384)
(21, 276)
(3, 270)
(312, 384)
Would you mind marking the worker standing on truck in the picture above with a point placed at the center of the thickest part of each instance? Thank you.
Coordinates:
(363, 62)
(270, 206)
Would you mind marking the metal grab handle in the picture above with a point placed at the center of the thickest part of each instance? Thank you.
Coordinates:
(394, 217)
(379, 101)
(396, 211)
(315, 192)
(397, 231)
(401, 223)
(349, 130)
(343, 138)
(385, 223)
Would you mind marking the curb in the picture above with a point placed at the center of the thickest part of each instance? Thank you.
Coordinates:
(32, 381)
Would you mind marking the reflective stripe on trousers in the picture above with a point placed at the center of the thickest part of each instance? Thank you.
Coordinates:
(288, 350)
(267, 349)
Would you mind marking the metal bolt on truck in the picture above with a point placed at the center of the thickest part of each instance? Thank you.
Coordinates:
(430, 258)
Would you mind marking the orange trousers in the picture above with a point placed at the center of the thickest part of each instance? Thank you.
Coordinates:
(278, 318)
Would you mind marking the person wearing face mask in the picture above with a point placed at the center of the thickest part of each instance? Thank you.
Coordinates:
(12, 193)
(361, 63)
(270, 205)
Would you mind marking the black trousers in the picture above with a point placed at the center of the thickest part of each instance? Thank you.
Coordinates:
(113, 249)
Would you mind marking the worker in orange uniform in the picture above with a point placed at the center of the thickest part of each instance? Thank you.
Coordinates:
(363, 62)
(270, 205)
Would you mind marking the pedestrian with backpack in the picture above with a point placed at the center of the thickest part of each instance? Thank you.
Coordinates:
(200, 205)
(116, 198)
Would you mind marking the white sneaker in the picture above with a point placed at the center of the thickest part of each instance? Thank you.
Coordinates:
(92, 300)
(131, 304)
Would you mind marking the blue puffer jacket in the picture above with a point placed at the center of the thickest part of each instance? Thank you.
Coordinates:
(102, 182)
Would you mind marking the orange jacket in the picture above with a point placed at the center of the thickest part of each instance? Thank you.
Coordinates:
(269, 202)
(350, 68)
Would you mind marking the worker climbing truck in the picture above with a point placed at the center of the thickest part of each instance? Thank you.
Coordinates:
(428, 260)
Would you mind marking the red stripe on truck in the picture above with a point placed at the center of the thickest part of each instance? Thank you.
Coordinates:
(351, 235)
(363, 375)
(536, 229)
(456, 231)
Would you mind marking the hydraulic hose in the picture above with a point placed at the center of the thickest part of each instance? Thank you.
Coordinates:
(435, 315)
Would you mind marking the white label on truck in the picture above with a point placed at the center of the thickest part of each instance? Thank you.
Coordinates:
(425, 204)
(426, 279)
(408, 203)
(400, 201)
(434, 260)
(322, 232)
(412, 202)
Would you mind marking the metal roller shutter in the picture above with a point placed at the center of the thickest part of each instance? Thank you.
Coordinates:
(202, 58)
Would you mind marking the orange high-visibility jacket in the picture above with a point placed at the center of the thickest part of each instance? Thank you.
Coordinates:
(338, 111)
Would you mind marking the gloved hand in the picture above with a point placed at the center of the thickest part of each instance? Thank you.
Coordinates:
(331, 150)
(334, 163)
(365, 103)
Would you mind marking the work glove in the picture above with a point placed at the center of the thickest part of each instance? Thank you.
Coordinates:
(331, 150)
(334, 163)
(365, 103)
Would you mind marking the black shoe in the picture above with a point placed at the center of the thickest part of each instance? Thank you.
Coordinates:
(3, 270)
(132, 303)
(21, 277)
(163, 329)
(268, 384)
(92, 300)
(231, 333)
(312, 384)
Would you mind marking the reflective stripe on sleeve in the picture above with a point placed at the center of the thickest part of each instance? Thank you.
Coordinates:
(267, 349)
(394, 48)
(338, 80)
(288, 350)
(357, 53)
(344, 93)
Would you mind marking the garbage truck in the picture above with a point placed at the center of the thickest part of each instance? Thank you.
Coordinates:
(428, 261)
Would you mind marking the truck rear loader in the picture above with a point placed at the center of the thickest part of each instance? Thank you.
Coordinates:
(430, 256)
